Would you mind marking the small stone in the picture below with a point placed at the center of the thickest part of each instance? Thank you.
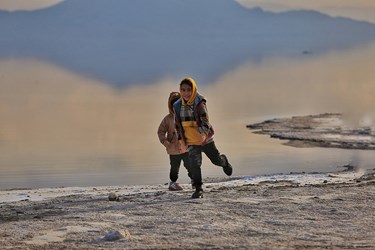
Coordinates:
(113, 197)
(126, 234)
(113, 235)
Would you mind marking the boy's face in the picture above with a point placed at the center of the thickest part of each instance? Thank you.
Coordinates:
(186, 91)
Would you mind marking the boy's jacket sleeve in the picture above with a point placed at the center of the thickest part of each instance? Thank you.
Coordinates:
(177, 125)
(203, 115)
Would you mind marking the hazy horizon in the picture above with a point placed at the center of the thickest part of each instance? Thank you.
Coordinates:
(109, 40)
(358, 10)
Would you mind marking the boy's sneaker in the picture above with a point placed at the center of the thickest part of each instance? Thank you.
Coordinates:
(197, 194)
(227, 168)
(174, 186)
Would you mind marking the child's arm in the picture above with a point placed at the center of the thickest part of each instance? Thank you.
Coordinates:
(162, 131)
(177, 126)
(181, 143)
(206, 127)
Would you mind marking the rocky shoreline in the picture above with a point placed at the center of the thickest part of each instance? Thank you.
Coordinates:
(323, 130)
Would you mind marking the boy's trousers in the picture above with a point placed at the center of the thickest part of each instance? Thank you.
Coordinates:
(195, 157)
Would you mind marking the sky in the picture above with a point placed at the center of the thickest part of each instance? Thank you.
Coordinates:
(358, 9)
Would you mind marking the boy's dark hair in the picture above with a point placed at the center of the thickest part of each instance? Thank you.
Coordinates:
(187, 82)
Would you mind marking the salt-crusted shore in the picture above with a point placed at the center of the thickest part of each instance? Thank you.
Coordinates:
(323, 130)
(292, 211)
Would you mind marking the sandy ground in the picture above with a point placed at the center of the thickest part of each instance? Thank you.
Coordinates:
(294, 211)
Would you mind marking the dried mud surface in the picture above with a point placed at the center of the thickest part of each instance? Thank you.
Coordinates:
(269, 215)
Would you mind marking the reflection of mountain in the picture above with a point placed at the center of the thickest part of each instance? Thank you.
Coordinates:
(129, 41)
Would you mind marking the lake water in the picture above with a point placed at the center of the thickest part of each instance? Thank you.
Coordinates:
(58, 128)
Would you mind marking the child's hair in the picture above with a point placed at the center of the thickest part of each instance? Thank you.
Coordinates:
(186, 81)
(173, 97)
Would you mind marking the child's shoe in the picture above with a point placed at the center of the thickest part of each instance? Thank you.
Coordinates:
(198, 193)
(227, 168)
(174, 186)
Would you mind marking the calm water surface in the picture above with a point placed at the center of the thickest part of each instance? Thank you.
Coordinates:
(62, 129)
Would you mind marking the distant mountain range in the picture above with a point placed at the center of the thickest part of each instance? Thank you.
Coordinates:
(138, 41)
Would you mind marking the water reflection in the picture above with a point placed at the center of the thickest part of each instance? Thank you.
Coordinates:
(330, 83)
(61, 129)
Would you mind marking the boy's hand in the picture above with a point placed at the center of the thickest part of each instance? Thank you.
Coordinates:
(203, 137)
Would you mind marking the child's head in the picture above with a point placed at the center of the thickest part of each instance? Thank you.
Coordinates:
(188, 90)
(173, 97)
(187, 81)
